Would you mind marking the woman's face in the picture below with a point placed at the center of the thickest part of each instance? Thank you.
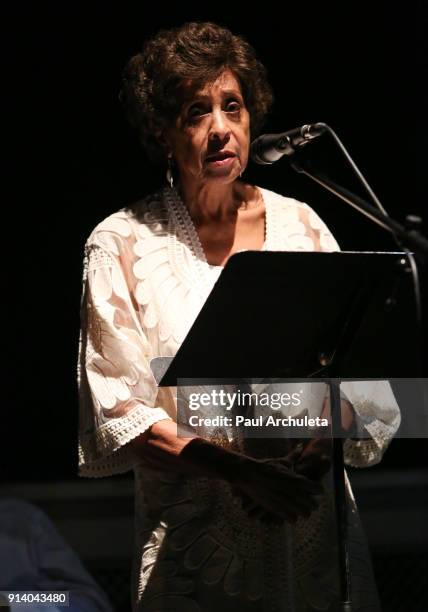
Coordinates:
(211, 136)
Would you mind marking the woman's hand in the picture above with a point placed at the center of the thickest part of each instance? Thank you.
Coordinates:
(268, 488)
(271, 490)
(311, 457)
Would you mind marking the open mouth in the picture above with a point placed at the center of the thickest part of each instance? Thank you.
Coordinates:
(219, 157)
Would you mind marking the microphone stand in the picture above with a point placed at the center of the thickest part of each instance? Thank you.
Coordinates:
(405, 236)
(410, 237)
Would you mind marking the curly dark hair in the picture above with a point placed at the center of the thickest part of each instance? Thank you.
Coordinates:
(152, 86)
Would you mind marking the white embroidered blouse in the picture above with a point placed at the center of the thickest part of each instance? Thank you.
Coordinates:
(146, 278)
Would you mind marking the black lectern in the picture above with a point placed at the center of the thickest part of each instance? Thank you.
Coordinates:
(299, 316)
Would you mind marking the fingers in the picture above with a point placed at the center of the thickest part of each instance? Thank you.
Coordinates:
(271, 516)
(315, 460)
(287, 505)
(313, 469)
(272, 492)
(286, 489)
(295, 453)
(297, 503)
(290, 481)
(268, 517)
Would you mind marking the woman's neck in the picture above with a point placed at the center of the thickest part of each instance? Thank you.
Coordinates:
(221, 202)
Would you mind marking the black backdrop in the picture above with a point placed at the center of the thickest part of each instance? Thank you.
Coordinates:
(72, 160)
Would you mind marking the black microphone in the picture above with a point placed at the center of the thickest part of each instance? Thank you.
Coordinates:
(268, 148)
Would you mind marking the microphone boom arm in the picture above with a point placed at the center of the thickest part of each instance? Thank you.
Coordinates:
(411, 238)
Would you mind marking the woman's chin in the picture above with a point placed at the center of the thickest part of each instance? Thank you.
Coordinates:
(221, 174)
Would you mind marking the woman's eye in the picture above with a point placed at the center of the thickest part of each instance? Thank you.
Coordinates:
(233, 106)
(195, 111)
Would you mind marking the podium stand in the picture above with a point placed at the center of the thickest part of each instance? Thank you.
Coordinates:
(300, 316)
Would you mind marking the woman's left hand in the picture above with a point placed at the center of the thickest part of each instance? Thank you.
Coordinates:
(311, 457)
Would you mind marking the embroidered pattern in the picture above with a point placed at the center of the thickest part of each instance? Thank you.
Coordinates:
(145, 279)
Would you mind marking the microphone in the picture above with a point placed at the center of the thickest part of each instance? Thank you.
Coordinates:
(268, 148)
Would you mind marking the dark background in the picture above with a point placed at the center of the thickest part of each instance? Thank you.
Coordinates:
(72, 159)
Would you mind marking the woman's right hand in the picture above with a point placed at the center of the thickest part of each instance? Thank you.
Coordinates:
(272, 491)
(268, 488)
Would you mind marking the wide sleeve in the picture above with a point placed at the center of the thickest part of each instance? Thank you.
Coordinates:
(377, 417)
(117, 391)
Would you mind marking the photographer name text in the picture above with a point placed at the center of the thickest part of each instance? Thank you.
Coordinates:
(259, 421)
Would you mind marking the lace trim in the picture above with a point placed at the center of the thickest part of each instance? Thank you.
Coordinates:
(273, 203)
(203, 277)
(122, 461)
(269, 221)
(187, 236)
(101, 452)
(365, 453)
(97, 258)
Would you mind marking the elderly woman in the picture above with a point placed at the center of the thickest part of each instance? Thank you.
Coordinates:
(217, 528)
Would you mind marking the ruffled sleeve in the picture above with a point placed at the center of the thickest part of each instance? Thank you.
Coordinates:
(377, 420)
(117, 391)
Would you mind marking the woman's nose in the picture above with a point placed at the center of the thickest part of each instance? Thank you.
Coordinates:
(219, 128)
